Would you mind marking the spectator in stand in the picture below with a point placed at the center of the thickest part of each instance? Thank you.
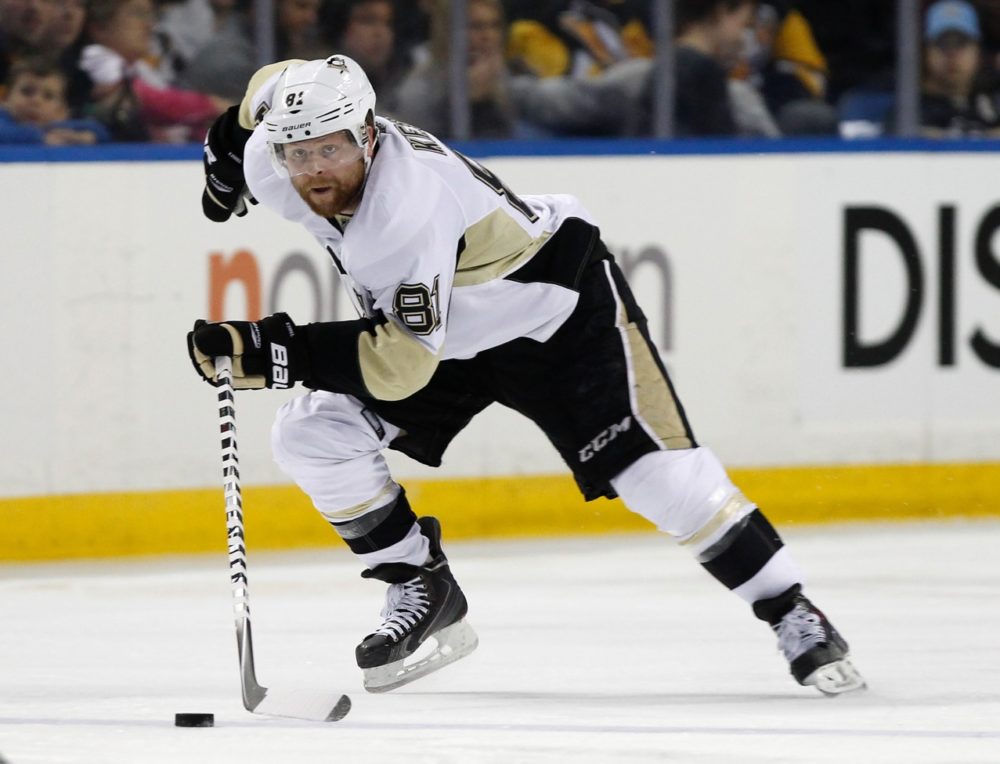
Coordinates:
(23, 27)
(187, 26)
(580, 38)
(66, 27)
(63, 42)
(413, 30)
(423, 94)
(616, 99)
(129, 96)
(750, 111)
(989, 23)
(225, 65)
(365, 30)
(298, 30)
(593, 59)
(857, 38)
(36, 111)
(785, 65)
(709, 43)
(956, 99)
(614, 102)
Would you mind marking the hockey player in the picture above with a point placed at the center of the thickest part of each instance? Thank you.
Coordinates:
(468, 294)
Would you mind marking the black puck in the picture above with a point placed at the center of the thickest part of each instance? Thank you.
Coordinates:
(194, 720)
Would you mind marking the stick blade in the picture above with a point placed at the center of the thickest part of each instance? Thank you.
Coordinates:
(305, 705)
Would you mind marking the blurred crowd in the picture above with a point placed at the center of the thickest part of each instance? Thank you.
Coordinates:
(91, 71)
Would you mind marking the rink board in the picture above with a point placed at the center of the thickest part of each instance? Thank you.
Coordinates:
(831, 322)
(281, 517)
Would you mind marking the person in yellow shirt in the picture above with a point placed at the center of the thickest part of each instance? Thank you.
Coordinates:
(785, 63)
(580, 38)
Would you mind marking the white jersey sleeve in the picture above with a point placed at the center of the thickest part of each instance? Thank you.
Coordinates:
(427, 255)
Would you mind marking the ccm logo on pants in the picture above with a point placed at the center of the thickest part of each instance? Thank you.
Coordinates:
(603, 438)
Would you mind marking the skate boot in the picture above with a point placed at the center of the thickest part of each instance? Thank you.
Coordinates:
(423, 629)
(816, 653)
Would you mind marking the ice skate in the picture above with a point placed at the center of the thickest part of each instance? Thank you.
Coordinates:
(423, 629)
(817, 655)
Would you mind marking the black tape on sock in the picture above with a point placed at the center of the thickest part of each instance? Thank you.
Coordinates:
(748, 553)
(380, 528)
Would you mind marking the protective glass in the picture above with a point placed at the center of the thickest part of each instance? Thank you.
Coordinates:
(326, 153)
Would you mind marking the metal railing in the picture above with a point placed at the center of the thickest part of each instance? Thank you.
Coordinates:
(908, 46)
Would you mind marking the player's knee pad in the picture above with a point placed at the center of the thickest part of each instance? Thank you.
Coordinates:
(687, 494)
(327, 427)
(327, 445)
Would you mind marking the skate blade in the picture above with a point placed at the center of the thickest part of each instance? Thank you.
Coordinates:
(836, 678)
(452, 642)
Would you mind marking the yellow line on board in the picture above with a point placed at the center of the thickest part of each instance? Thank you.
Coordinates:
(281, 517)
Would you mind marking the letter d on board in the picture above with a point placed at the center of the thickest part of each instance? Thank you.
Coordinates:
(856, 220)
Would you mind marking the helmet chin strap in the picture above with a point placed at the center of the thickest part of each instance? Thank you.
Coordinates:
(370, 148)
(368, 157)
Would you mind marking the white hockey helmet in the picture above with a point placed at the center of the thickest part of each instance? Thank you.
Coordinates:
(317, 98)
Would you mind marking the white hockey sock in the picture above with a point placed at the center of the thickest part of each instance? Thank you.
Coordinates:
(778, 574)
(414, 549)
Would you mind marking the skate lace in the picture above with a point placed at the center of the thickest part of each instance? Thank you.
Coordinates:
(405, 605)
(799, 631)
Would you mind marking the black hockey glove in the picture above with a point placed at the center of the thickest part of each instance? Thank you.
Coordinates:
(225, 191)
(266, 353)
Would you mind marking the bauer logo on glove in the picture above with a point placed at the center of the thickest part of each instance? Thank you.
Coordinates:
(265, 353)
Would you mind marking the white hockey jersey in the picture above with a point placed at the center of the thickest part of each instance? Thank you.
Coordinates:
(428, 248)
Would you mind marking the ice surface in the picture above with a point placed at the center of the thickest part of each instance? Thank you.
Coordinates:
(616, 649)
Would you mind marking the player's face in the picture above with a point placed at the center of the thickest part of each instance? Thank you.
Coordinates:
(327, 172)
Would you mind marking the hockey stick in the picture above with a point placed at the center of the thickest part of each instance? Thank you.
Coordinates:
(313, 706)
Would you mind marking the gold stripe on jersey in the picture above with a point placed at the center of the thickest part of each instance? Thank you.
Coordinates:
(494, 246)
(654, 400)
(394, 365)
(248, 119)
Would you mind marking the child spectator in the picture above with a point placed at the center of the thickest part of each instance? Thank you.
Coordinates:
(36, 111)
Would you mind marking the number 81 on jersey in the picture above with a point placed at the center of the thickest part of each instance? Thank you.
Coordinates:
(418, 307)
